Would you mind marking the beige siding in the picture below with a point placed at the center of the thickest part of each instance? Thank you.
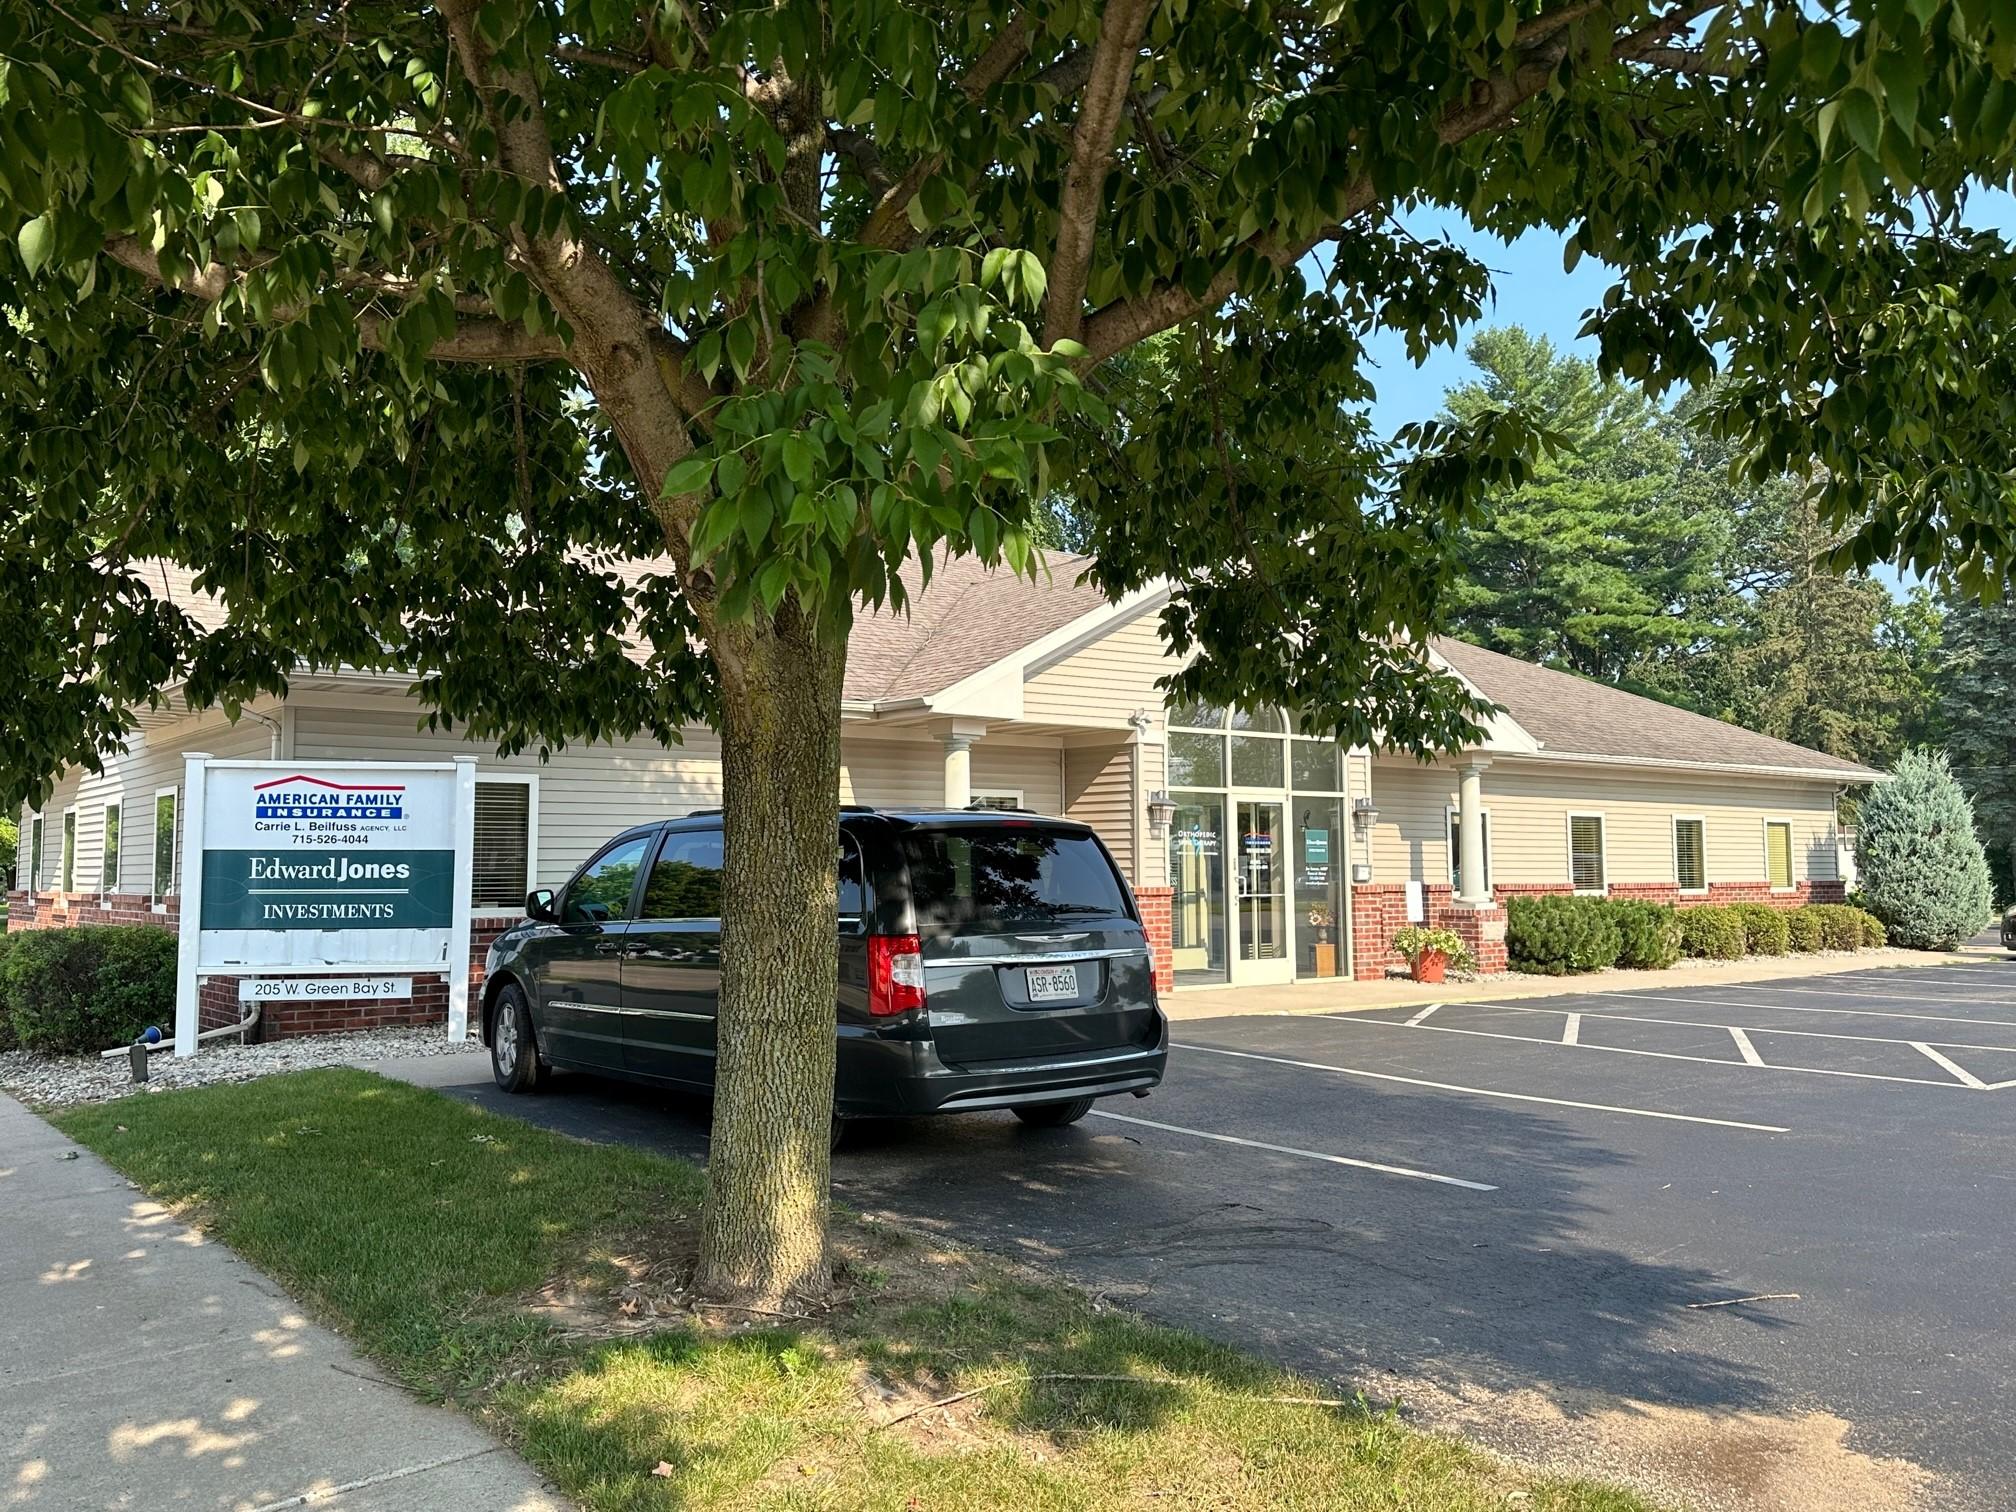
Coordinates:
(587, 793)
(130, 779)
(1106, 681)
(1099, 791)
(1153, 870)
(1529, 804)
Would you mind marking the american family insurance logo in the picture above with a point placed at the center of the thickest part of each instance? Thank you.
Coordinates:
(304, 797)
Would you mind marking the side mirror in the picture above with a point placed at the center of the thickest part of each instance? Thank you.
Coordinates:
(539, 905)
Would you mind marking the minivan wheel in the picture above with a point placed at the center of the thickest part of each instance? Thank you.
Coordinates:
(514, 1051)
(1054, 1115)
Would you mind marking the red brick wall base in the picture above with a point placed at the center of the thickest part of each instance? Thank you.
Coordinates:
(1158, 919)
(217, 1002)
(1379, 909)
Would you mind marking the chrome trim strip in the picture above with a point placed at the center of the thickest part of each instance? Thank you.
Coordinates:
(666, 1013)
(1043, 958)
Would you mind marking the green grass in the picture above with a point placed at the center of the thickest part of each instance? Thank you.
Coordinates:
(425, 1230)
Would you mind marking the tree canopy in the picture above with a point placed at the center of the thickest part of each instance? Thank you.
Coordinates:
(405, 324)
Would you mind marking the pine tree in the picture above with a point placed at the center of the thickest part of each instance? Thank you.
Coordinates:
(1977, 655)
(1600, 565)
(1920, 863)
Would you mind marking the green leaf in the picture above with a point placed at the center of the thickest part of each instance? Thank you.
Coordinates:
(688, 476)
(798, 461)
(1864, 120)
(35, 240)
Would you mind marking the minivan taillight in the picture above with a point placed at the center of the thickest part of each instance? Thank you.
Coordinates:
(895, 974)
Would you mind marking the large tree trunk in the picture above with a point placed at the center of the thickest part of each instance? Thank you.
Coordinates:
(764, 1229)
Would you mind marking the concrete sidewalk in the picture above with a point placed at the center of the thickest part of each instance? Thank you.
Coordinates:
(1399, 992)
(142, 1366)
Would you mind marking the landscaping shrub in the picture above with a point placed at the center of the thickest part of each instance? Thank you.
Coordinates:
(1874, 935)
(1555, 935)
(7, 1040)
(70, 991)
(1765, 930)
(1840, 926)
(1713, 932)
(1918, 859)
(1804, 927)
(1650, 934)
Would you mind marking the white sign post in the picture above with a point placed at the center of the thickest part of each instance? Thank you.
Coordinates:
(331, 869)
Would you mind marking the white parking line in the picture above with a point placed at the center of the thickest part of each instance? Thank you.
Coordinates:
(1257, 1144)
(1423, 1013)
(1747, 1029)
(1923, 1018)
(1890, 995)
(1744, 1048)
(1702, 1060)
(1525, 1097)
(1967, 1078)
(1571, 1032)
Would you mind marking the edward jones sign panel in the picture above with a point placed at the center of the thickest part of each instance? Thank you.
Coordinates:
(328, 851)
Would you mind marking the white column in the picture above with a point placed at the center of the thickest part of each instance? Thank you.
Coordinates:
(189, 819)
(958, 771)
(1470, 831)
(465, 871)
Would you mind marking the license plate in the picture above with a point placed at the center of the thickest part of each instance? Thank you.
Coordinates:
(1050, 984)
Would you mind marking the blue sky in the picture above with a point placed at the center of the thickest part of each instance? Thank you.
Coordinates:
(1530, 289)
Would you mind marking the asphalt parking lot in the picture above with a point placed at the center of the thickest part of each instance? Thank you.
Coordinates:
(1539, 1196)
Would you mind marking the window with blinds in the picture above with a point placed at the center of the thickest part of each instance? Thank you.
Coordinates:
(1778, 853)
(1585, 852)
(1690, 854)
(503, 850)
(164, 844)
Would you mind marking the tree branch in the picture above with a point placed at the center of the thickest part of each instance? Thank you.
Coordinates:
(889, 225)
(483, 339)
(1491, 103)
(1121, 26)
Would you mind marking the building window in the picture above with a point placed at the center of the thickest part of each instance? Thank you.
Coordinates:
(108, 874)
(1690, 854)
(35, 853)
(1005, 799)
(68, 875)
(163, 882)
(1456, 850)
(1778, 853)
(1585, 852)
(506, 813)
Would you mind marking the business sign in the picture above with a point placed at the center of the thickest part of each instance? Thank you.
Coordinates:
(353, 871)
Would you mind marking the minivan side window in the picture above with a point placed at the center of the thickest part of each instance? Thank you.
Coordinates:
(686, 879)
(853, 890)
(601, 894)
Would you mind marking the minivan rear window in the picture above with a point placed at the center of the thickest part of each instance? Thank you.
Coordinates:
(998, 877)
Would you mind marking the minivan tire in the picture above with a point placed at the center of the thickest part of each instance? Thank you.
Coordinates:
(1054, 1115)
(514, 1050)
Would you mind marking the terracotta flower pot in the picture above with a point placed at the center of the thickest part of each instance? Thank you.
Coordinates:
(1430, 965)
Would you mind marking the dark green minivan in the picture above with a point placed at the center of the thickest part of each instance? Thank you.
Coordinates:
(988, 959)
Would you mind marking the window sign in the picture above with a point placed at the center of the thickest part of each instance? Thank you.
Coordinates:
(354, 867)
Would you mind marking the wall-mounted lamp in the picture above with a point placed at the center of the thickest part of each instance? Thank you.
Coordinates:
(1161, 812)
(1364, 816)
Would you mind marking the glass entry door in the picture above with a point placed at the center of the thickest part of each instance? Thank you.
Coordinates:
(1197, 876)
(1318, 866)
(1266, 952)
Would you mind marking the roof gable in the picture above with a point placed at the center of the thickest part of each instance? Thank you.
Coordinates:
(1572, 715)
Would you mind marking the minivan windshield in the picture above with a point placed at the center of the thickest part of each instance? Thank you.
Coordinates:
(1000, 877)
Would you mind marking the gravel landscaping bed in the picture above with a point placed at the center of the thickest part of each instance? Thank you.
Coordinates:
(61, 1081)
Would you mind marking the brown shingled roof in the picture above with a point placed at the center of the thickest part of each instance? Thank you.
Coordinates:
(1573, 715)
(968, 618)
